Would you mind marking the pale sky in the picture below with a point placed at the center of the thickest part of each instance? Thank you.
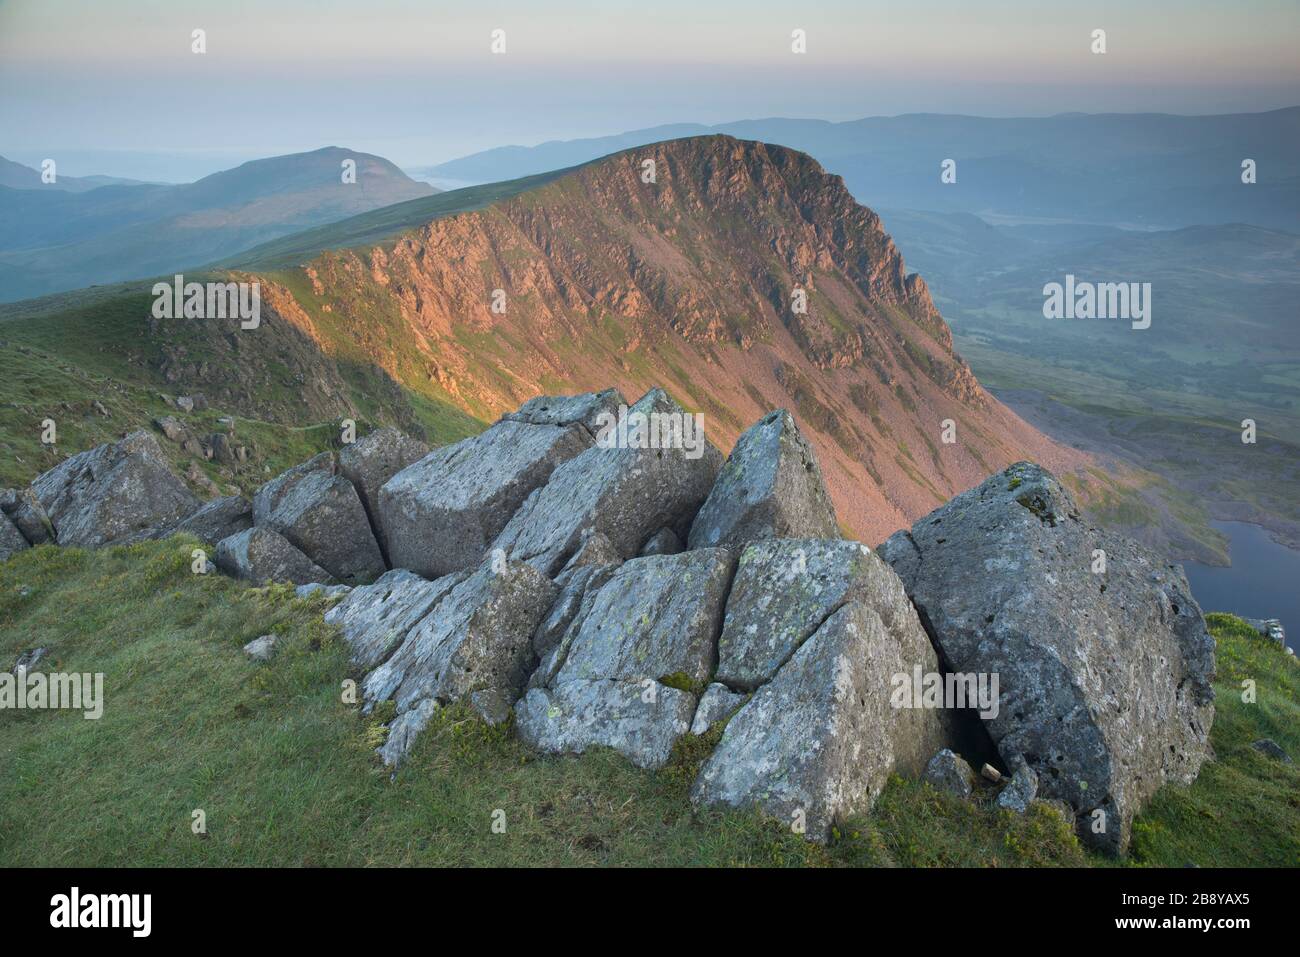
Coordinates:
(109, 83)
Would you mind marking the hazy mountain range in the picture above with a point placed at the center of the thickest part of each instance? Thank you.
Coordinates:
(69, 234)
(1151, 170)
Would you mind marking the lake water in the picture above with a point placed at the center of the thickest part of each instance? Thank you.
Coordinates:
(1262, 582)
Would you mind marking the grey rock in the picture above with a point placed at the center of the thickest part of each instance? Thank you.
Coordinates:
(819, 740)
(443, 512)
(492, 706)
(321, 514)
(555, 636)
(770, 487)
(22, 508)
(375, 619)
(585, 410)
(223, 450)
(172, 428)
(785, 588)
(949, 772)
(656, 617)
(261, 649)
(28, 660)
(262, 555)
(371, 461)
(1020, 790)
(716, 704)
(403, 730)
(662, 542)
(11, 540)
(218, 519)
(1105, 679)
(1270, 628)
(112, 492)
(625, 493)
(1271, 749)
(595, 551)
(185, 403)
(639, 719)
(478, 639)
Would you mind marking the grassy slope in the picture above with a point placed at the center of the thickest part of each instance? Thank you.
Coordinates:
(285, 772)
(61, 354)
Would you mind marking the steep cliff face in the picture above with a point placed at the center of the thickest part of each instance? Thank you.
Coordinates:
(692, 281)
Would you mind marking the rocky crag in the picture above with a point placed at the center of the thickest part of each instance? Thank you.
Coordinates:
(628, 593)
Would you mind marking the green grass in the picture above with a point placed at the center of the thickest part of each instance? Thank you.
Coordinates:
(285, 772)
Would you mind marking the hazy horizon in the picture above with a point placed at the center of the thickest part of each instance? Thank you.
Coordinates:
(117, 90)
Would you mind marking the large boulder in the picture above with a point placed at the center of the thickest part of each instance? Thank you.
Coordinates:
(371, 461)
(262, 555)
(112, 493)
(320, 513)
(375, 619)
(636, 654)
(818, 742)
(443, 512)
(624, 487)
(478, 638)
(786, 587)
(770, 487)
(1102, 655)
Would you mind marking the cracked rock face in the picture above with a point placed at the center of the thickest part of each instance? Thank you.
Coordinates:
(818, 742)
(478, 637)
(770, 487)
(1105, 676)
(625, 493)
(11, 540)
(785, 588)
(651, 630)
(219, 519)
(443, 512)
(320, 513)
(371, 461)
(375, 619)
(111, 493)
(261, 555)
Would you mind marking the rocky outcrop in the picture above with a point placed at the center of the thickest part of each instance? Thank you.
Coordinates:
(770, 487)
(443, 512)
(320, 513)
(587, 410)
(261, 555)
(371, 461)
(1102, 655)
(627, 491)
(112, 493)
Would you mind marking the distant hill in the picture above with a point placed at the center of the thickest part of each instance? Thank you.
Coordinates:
(51, 240)
(1149, 169)
(17, 176)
